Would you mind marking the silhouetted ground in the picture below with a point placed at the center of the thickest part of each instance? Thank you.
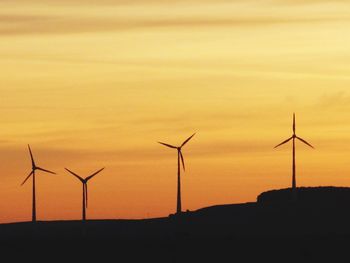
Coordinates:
(315, 227)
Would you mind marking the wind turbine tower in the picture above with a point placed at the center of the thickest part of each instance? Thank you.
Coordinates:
(180, 158)
(32, 173)
(294, 138)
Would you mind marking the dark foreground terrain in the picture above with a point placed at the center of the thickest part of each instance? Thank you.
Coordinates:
(315, 227)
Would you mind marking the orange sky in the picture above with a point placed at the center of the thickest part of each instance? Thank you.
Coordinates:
(93, 84)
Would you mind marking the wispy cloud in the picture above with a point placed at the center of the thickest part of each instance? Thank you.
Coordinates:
(339, 99)
(22, 24)
(303, 2)
(123, 2)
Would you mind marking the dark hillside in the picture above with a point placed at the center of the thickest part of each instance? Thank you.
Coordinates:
(314, 228)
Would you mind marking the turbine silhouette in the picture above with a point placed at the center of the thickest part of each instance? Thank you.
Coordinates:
(179, 156)
(32, 173)
(85, 189)
(294, 136)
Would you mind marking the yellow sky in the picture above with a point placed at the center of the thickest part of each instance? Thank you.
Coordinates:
(97, 83)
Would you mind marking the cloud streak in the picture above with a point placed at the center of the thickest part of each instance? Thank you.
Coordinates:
(338, 99)
(37, 24)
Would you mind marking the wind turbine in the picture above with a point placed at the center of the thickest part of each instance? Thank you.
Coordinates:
(179, 156)
(32, 173)
(85, 189)
(294, 136)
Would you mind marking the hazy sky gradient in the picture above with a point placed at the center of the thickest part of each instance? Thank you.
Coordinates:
(97, 83)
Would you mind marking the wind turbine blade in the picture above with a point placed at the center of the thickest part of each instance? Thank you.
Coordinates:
(89, 177)
(305, 142)
(283, 142)
(189, 138)
(77, 176)
(31, 156)
(31, 173)
(293, 123)
(44, 170)
(182, 160)
(168, 145)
